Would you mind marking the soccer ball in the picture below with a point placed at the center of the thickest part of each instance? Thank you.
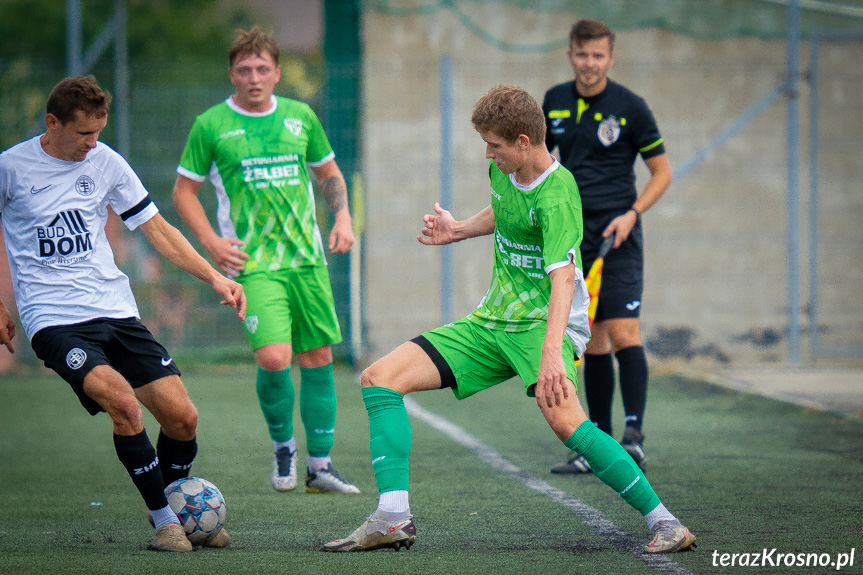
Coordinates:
(199, 505)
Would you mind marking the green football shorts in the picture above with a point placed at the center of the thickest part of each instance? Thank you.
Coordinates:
(292, 306)
(481, 357)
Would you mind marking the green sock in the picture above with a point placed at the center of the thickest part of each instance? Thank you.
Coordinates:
(613, 466)
(318, 408)
(276, 396)
(390, 437)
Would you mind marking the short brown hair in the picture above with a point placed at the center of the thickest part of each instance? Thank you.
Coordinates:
(254, 41)
(509, 111)
(77, 93)
(589, 29)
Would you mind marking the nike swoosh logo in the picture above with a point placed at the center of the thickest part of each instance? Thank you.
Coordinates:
(166, 361)
(35, 190)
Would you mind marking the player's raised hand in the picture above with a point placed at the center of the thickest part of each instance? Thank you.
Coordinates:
(233, 294)
(342, 234)
(438, 228)
(7, 328)
(226, 254)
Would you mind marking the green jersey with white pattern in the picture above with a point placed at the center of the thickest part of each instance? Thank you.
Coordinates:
(257, 163)
(537, 229)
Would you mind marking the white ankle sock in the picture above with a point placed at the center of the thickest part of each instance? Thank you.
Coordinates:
(394, 501)
(164, 516)
(290, 444)
(660, 513)
(318, 463)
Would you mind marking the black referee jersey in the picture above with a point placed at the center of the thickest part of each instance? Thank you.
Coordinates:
(599, 138)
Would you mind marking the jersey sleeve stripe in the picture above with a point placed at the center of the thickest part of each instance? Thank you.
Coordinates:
(323, 160)
(570, 259)
(651, 146)
(190, 174)
(137, 208)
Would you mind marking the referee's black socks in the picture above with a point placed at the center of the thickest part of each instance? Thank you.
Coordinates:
(632, 364)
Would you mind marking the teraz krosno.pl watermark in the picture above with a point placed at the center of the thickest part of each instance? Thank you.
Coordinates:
(776, 558)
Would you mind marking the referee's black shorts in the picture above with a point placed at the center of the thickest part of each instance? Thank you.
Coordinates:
(622, 270)
(124, 344)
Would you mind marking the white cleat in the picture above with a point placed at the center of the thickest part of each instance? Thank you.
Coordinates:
(284, 475)
(328, 481)
(377, 532)
(670, 536)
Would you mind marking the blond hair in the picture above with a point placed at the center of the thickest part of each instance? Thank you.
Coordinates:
(509, 111)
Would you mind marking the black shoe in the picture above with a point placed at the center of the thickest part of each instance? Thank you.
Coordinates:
(632, 444)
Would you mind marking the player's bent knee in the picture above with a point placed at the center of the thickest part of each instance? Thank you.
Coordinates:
(126, 414)
(377, 375)
(367, 378)
(562, 423)
(274, 356)
(185, 427)
(273, 361)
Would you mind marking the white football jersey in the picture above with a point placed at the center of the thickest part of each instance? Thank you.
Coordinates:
(53, 214)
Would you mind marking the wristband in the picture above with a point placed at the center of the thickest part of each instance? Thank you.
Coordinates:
(637, 213)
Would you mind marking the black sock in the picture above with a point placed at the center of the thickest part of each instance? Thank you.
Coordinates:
(599, 388)
(632, 363)
(175, 457)
(136, 453)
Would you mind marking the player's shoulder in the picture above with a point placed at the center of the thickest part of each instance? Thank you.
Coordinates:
(10, 157)
(104, 156)
(562, 92)
(623, 94)
(291, 106)
(559, 185)
(561, 178)
(215, 111)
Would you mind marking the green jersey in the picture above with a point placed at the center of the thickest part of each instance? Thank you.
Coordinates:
(537, 229)
(257, 163)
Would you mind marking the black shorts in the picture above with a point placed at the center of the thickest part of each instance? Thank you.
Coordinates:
(124, 344)
(622, 270)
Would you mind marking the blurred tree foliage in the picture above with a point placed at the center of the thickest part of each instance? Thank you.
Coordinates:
(164, 31)
(170, 43)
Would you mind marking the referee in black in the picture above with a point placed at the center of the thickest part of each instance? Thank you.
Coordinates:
(599, 127)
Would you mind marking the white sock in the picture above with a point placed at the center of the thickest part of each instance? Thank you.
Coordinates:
(318, 463)
(660, 513)
(164, 516)
(290, 444)
(394, 501)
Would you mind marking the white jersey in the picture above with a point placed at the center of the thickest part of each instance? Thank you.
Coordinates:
(53, 214)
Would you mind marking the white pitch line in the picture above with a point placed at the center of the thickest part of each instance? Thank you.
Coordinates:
(593, 517)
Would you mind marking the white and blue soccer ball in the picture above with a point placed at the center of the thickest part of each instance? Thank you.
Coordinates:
(199, 505)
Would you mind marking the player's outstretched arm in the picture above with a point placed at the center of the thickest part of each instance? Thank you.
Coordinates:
(335, 193)
(441, 228)
(7, 328)
(175, 248)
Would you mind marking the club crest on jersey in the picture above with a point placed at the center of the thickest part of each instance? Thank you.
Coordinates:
(85, 186)
(608, 131)
(294, 126)
(76, 357)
